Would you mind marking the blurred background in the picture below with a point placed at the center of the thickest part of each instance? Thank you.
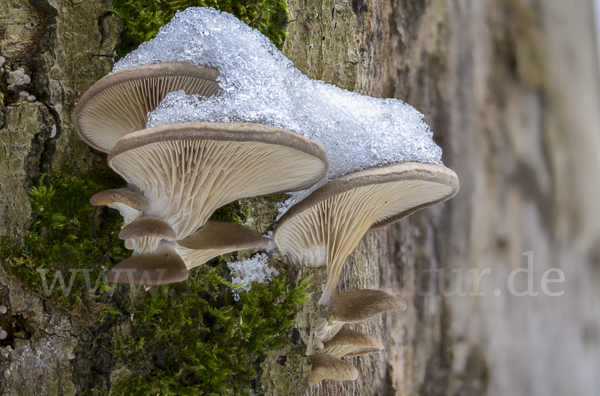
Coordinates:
(511, 91)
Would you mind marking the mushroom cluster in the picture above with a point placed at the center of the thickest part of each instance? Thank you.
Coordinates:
(179, 174)
(324, 228)
(179, 169)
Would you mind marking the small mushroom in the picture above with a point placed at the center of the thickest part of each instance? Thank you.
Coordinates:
(162, 266)
(216, 238)
(349, 343)
(186, 171)
(118, 104)
(155, 259)
(130, 204)
(324, 366)
(355, 306)
(145, 233)
(324, 228)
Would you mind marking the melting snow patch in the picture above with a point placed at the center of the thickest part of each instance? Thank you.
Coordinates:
(259, 84)
(255, 269)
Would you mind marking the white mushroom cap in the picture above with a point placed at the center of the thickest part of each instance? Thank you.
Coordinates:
(119, 103)
(353, 307)
(186, 171)
(325, 227)
(324, 366)
(348, 343)
(130, 204)
(216, 238)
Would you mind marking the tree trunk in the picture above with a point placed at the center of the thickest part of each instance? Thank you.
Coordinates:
(510, 89)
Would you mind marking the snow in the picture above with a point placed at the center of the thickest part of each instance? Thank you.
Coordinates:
(254, 269)
(259, 84)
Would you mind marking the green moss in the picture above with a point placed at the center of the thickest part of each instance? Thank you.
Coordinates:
(143, 18)
(67, 244)
(191, 339)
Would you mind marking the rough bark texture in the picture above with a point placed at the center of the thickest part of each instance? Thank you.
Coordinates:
(511, 91)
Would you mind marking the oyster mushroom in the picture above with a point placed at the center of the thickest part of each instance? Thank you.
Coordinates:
(324, 228)
(149, 235)
(216, 238)
(324, 366)
(349, 343)
(119, 103)
(130, 204)
(162, 266)
(355, 306)
(186, 171)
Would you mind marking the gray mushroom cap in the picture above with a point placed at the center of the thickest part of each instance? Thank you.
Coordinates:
(325, 227)
(219, 235)
(359, 305)
(120, 195)
(348, 343)
(216, 238)
(324, 366)
(130, 204)
(353, 307)
(118, 104)
(147, 226)
(161, 267)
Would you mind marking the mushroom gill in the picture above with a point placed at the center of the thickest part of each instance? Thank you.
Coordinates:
(187, 171)
(325, 227)
(349, 343)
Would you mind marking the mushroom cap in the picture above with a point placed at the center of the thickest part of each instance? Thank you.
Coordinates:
(162, 267)
(325, 227)
(348, 343)
(119, 103)
(186, 171)
(324, 366)
(216, 238)
(220, 235)
(120, 195)
(431, 183)
(147, 226)
(360, 305)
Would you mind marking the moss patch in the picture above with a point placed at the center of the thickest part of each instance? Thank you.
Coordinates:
(190, 338)
(143, 18)
(67, 245)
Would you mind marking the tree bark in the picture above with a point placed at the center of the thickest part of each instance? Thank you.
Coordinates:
(510, 89)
